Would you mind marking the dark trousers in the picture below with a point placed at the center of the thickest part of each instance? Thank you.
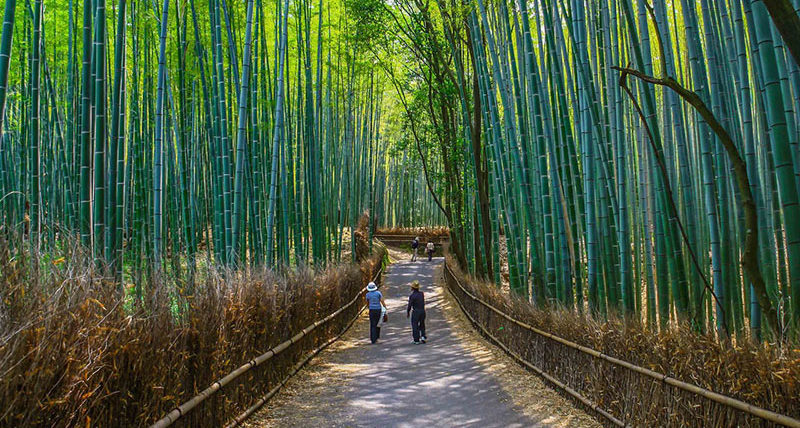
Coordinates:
(374, 329)
(430, 255)
(418, 324)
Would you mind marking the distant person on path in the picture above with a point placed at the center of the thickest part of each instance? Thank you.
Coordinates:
(416, 310)
(430, 248)
(375, 304)
(414, 248)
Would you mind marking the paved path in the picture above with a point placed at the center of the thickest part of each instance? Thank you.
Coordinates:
(395, 383)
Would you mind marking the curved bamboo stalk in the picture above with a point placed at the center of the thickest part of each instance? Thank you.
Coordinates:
(750, 256)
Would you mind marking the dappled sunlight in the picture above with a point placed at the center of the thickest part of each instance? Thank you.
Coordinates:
(195, 194)
(449, 380)
(530, 394)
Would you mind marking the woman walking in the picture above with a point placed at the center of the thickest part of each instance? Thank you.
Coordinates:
(430, 248)
(375, 304)
(416, 310)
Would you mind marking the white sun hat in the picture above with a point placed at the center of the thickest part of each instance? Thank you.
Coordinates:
(371, 286)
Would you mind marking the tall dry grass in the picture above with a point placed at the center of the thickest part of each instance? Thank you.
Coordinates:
(763, 375)
(74, 352)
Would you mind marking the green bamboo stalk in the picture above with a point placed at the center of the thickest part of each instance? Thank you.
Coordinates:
(5, 56)
(277, 133)
(158, 147)
(241, 134)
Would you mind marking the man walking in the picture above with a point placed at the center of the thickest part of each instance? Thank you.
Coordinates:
(430, 248)
(414, 248)
(416, 311)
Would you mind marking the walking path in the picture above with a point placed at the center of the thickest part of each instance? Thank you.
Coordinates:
(447, 382)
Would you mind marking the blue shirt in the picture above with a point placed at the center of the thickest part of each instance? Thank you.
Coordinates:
(374, 299)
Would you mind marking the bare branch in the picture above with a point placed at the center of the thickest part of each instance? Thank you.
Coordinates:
(750, 255)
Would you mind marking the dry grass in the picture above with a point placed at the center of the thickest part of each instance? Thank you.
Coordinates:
(307, 399)
(422, 232)
(74, 352)
(761, 375)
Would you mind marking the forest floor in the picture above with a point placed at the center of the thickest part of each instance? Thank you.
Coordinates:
(456, 379)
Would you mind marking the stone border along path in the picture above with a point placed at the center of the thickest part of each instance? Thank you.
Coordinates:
(456, 379)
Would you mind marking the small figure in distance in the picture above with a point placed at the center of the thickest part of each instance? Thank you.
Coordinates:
(414, 248)
(430, 248)
(416, 311)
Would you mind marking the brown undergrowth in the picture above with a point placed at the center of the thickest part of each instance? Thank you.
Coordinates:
(74, 352)
(422, 232)
(759, 374)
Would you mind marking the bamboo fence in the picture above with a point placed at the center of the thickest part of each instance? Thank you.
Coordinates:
(623, 393)
(181, 411)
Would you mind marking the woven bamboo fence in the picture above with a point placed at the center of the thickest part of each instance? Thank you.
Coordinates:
(622, 393)
(268, 371)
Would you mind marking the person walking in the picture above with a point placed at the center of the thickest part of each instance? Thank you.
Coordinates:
(376, 307)
(416, 311)
(430, 248)
(414, 248)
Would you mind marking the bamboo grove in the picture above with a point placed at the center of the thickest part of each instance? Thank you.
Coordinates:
(161, 134)
(408, 202)
(630, 157)
(612, 157)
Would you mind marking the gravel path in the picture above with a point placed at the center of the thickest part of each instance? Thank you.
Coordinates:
(453, 380)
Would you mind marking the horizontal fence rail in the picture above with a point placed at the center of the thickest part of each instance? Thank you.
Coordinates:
(720, 399)
(195, 401)
(404, 238)
(252, 409)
